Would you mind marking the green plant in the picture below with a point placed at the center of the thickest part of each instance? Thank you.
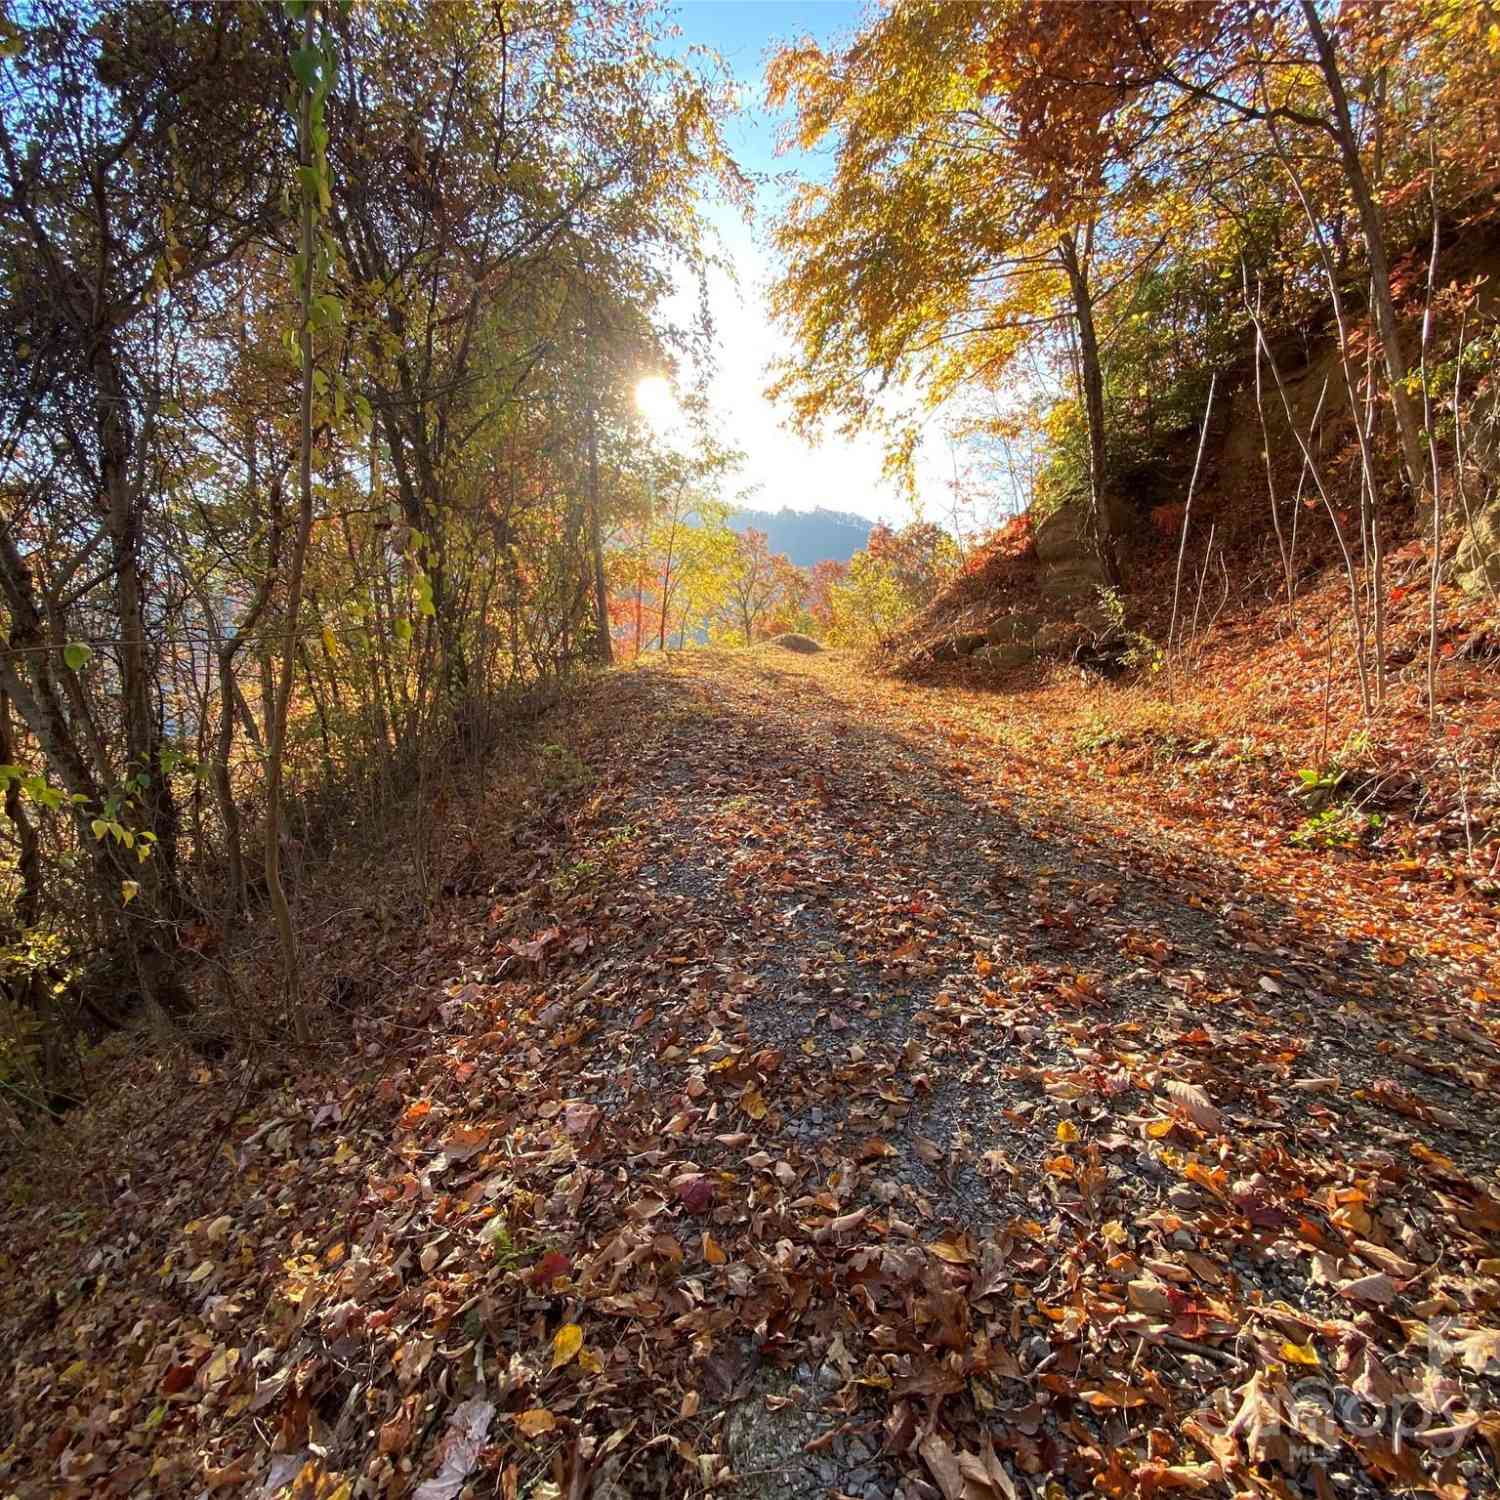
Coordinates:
(509, 1254)
(1318, 788)
(1097, 733)
(1141, 653)
(1338, 826)
(563, 769)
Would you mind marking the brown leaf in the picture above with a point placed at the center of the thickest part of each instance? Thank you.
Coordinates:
(1195, 1104)
(1257, 1423)
(1387, 1260)
(396, 1433)
(942, 1461)
(1378, 1290)
(535, 1422)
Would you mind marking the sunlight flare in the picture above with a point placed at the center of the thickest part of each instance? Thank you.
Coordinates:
(657, 403)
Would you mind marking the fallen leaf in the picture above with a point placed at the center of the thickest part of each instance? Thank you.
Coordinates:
(468, 1428)
(535, 1422)
(1195, 1104)
(1378, 1290)
(566, 1344)
(942, 1462)
(695, 1192)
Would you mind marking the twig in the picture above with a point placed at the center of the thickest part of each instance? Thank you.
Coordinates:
(1207, 1351)
(1436, 575)
(1187, 512)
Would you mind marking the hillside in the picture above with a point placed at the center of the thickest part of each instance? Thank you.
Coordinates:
(807, 537)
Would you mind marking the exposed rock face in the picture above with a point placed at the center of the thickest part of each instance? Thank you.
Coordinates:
(1063, 536)
(1065, 548)
(1477, 563)
(1006, 655)
(961, 645)
(1013, 628)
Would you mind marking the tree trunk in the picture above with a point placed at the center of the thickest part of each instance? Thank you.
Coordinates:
(1374, 233)
(281, 692)
(1092, 379)
(603, 647)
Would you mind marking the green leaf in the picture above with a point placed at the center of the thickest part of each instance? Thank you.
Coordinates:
(306, 63)
(76, 655)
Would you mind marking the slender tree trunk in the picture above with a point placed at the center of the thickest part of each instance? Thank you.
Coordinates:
(281, 694)
(1092, 379)
(603, 647)
(28, 909)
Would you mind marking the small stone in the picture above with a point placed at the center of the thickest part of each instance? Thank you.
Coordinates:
(829, 1378)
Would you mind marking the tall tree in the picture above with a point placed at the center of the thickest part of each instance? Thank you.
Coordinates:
(132, 147)
(971, 207)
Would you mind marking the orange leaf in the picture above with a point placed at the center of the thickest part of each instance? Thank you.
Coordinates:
(535, 1422)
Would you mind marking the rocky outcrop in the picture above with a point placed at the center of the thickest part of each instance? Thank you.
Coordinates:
(1064, 540)
(1476, 565)
(1088, 635)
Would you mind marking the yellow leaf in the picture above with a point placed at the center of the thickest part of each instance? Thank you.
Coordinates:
(1300, 1354)
(1156, 1129)
(946, 1250)
(566, 1345)
(712, 1252)
(753, 1102)
(590, 1362)
(1114, 1232)
(1068, 1132)
(535, 1422)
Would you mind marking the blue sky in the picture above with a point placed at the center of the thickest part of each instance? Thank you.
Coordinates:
(841, 473)
(742, 32)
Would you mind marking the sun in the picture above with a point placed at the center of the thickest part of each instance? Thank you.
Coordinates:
(655, 401)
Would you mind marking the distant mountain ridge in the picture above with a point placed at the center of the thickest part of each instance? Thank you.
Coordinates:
(807, 536)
